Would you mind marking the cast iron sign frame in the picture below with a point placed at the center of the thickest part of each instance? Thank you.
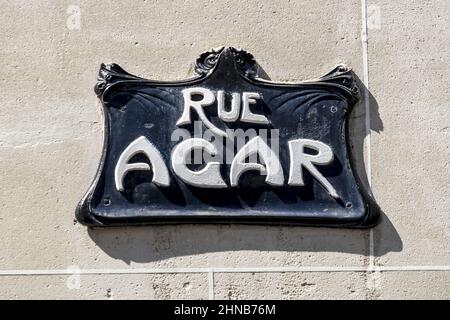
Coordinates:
(140, 114)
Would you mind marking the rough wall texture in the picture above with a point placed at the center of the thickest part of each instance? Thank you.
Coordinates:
(51, 140)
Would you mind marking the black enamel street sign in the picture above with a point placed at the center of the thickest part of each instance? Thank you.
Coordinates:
(226, 146)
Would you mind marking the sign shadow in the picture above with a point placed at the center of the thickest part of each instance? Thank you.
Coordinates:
(152, 243)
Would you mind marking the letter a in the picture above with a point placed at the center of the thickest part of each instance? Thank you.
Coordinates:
(141, 145)
(271, 168)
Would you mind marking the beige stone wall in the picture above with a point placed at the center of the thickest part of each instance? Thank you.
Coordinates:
(51, 140)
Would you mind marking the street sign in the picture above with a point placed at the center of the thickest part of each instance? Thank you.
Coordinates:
(227, 146)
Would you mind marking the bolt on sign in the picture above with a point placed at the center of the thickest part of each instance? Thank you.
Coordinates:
(227, 146)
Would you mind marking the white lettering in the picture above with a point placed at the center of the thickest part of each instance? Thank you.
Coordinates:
(301, 159)
(271, 168)
(207, 100)
(141, 145)
(233, 114)
(209, 176)
(249, 98)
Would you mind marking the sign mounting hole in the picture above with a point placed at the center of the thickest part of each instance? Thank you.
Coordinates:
(106, 202)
